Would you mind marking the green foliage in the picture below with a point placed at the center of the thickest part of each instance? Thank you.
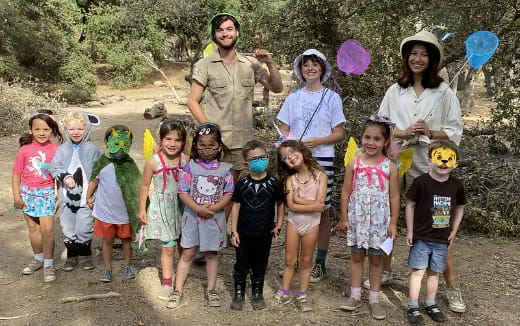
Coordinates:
(118, 34)
(78, 74)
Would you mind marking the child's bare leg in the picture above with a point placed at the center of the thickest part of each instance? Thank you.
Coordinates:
(35, 236)
(415, 284)
(375, 270)
(183, 268)
(167, 262)
(292, 242)
(449, 272)
(211, 268)
(127, 251)
(432, 283)
(47, 236)
(308, 243)
(108, 243)
(357, 260)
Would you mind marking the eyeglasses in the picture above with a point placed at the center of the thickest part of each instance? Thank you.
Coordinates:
(254, 158)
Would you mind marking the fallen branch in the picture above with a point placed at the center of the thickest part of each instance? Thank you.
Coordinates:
(154, 66)
(90, 297)
(13, 317)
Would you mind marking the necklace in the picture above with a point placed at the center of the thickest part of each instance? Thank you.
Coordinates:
(300, 181)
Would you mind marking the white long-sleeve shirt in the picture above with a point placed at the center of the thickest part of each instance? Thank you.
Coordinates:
(438, 107)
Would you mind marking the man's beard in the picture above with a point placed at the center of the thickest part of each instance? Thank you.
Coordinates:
(226, 47)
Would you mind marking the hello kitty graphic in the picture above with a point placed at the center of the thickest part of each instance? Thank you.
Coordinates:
(38, 166)
(207, 189)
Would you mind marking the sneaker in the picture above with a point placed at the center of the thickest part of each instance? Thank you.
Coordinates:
(49, 274)
(386, 278)
(378, 310)
(70, 263)
(281, 298)
(455, 302)
(303, 302)
(414, 317)
(106, 275)
(350, 304)
(174, 301)
(435, 313)
(317, 273)
(86, 262)
(33, 266)
(213, 298)
(164, 292)
(129, 272)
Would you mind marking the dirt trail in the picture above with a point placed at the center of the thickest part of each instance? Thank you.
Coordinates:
(488, 268)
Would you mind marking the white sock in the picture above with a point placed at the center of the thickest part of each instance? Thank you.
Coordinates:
(48, 263)
(39, 257)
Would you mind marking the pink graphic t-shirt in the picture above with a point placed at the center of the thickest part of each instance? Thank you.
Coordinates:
(32, 163)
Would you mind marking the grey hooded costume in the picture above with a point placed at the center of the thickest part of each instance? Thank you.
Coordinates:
(76, 161)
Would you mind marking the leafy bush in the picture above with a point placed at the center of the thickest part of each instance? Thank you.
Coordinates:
(80, 81)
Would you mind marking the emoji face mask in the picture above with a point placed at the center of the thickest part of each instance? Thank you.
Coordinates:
(119, 140)
(444, 156)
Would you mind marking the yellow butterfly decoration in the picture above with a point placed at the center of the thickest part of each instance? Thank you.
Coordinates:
(404, 158)
(148, 144)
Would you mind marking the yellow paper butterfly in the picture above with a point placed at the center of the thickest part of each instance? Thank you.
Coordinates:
(404, 158)
(148, 144)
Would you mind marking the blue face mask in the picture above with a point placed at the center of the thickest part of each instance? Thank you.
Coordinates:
(259, 165)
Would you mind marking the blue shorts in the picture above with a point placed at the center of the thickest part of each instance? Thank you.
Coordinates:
(371, 251)
(432, 255)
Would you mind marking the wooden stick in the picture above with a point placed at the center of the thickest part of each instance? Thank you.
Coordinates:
(13, 317)
(90, 297)
(154, 66)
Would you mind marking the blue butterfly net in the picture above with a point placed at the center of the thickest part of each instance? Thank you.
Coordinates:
(480, 47)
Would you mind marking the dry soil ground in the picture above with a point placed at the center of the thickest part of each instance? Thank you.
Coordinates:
(488, 269)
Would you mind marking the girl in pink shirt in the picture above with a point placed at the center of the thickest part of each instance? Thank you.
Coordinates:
(33, 190)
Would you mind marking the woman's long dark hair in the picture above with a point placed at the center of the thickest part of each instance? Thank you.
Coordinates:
(430, 78)
(44, 115)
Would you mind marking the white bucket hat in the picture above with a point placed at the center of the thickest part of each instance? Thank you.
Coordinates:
(297, 64)
(425, 37)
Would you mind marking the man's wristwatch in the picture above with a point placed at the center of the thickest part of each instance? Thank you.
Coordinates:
(431, 134)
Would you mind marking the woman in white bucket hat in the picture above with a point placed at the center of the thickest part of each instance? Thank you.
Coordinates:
(424, 109)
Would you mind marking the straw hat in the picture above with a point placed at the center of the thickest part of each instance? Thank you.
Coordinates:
(297, 64)
(424, 37)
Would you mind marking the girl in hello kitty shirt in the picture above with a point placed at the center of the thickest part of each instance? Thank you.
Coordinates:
(206, 187)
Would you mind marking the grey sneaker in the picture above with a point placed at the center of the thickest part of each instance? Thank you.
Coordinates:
(317, 273)
(213, 298)
(455, 302)
(33, 266)
(129, 272)
(49, 274)
(164, 292)
(378, 310)
(70, 263)
(106, 275)
(350, 304)
(282, 299)
(386, 278)
(174, 301)
(303, 302)
(86, 262)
